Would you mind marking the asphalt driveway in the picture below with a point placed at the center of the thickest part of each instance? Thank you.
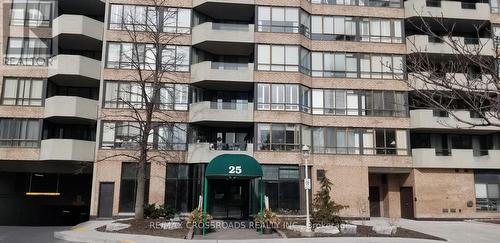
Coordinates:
(21, 234)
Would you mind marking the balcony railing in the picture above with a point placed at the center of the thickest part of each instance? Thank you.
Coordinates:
(229, 66)
(229, 106)
(231, 27)
(228, 146)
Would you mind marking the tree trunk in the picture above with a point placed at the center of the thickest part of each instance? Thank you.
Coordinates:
(141, 187)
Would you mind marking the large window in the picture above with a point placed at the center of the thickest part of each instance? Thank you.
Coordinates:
(144, 18)
(129, 94)
(278, 58)
(278, 137)
(282, 186)
(358, 140)
(277, 19)
(22, 91)
(27, 51)
(143, 56)
(371, 3)
(128, 186)
(381, 66)
(381, 30)
(327, 64)
(183, 186)
(278, 97)
(385, 103)
(19, 132)
(125, 135)
(333, 28)
(487, 190)
(31, 13)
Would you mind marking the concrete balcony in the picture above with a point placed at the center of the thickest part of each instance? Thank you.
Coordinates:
(212, 111)
(67, 150)
(68, 24)
(204, 152)
(220, 32)
(447, 9)
(425, 119)
(423, 80)
(197, 3)
(421, 43)
(71, 106)
(217, 71)
(459, 158)
(75, 70)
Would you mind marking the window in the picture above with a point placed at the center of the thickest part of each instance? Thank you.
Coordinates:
(278, 137)
(128, 186)
(131, 56)
(278, 58)
(31, 13)
(283, 182)
(331, 140)
(487, 185)
(385, 103)
(277, 19)
(183, 186)
(381, 66)
(125, 135)
(278, 97)
(172, 137)
(325, 64)
(373, 3)
(27, 51)
(381, 30)
(495, 6)
(127, 94)
(19, 132)
(336, 140)
(333, 28)
(22, 91)
(144, 18)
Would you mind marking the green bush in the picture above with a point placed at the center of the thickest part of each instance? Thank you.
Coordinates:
(325, 209)
(152, 211)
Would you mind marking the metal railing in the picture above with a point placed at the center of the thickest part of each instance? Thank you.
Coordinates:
(228, 146)
(231, 27)
(228, 105)
(229, 66)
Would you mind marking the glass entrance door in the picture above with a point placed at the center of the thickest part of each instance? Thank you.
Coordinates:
(229, 199)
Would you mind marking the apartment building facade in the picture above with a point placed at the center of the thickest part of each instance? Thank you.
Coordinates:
(258, 78)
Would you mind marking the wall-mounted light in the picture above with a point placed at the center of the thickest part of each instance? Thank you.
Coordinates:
(43, 193)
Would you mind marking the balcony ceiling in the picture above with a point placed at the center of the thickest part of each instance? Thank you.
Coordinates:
(226, 11)
(83, 7)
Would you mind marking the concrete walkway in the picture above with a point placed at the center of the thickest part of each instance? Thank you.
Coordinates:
(240, 234)
(453, 231)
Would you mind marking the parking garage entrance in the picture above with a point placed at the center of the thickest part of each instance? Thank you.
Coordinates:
(232, 187)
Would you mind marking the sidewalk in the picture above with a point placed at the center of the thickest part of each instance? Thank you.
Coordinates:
(86, 232)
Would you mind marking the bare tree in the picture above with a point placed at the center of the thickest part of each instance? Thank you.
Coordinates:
(466, 79)
(150, 55)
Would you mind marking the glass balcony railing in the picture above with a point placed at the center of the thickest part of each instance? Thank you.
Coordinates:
(229, 106)
(229, 66)
(231, 27)
(228, 146)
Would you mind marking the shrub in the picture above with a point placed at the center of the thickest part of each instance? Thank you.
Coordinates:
(325, 209)
(152, 211)
(195, 219)
(268, 220)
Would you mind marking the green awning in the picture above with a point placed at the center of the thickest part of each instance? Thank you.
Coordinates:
(233, 165)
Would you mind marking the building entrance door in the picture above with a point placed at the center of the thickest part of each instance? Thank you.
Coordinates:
(406, 194)
(374, 196)
(229, 198)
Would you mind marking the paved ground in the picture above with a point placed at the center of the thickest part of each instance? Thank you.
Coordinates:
(241, 234)
(453, 231)
(18, 234)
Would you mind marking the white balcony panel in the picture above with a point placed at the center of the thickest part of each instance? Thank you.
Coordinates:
(77, 25)
(421, 43)
(203, 111)
(71, 106)
(209, 31)
(425, 119)
(75, 65)
(202, 152)
(67, 149)
(212, 71)
(448, 9)
(460, 158)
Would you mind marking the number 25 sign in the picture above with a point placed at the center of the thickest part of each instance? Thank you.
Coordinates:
(234, 170)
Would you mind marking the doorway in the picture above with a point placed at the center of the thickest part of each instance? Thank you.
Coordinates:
(407, 202)
(106, 194)
(229, 198)
(374, 196)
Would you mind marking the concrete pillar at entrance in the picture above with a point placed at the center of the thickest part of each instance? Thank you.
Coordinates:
(157, 183)
(393, 195)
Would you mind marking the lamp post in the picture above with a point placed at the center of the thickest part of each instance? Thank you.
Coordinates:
(307, 185)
